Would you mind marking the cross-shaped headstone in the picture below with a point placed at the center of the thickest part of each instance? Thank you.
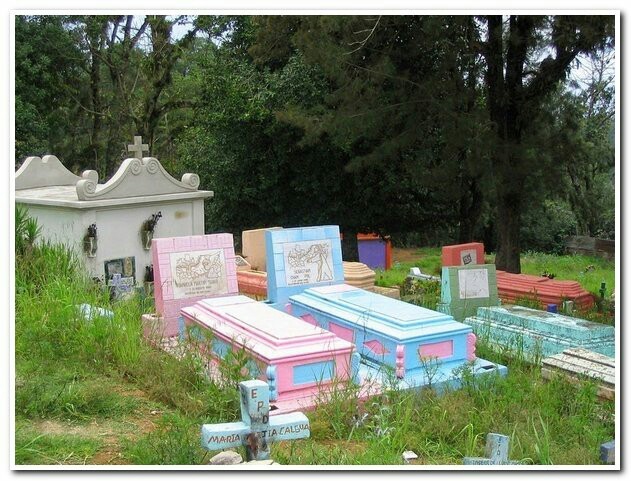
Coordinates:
(120, 285)
(256, 430)
(496, 451)
(138, 147)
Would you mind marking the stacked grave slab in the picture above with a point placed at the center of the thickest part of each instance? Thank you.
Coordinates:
(537, 333)
(466, 288)
(512, 287)
(300, 362)
(579, 364)
(392, 336)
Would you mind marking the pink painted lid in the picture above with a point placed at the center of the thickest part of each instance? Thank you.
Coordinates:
(263, 329)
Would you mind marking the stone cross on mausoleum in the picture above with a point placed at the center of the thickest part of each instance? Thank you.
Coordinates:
(256, 430)
(138, 147)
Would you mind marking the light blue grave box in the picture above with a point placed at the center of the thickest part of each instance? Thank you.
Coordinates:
(418, 345)
(540, 333)
(389, 332)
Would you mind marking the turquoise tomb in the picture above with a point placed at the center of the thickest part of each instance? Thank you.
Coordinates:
(540, 333)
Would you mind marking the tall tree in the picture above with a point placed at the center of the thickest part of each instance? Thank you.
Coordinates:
(526, 59)
(48, 75)
(404, 98)
(591, 147)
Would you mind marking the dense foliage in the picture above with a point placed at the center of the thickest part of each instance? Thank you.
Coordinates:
(429, 128)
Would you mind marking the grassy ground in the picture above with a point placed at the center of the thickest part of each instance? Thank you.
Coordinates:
(93, 392)
(589, 271)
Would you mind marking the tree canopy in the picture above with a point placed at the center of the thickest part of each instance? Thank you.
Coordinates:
(432, 128)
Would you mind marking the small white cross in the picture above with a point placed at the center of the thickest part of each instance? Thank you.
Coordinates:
(138, 147)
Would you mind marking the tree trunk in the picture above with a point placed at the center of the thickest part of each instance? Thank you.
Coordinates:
(470, 210)
(508, 226)
(350, 252)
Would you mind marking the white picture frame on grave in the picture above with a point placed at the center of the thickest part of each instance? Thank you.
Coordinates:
(473, 283)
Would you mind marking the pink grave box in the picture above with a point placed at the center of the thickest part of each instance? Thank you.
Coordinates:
(188, 269)
(463, 254)
(299, 361)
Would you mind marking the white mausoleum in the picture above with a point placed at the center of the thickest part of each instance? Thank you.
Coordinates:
(111, 225)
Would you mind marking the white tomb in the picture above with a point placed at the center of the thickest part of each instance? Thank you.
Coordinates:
(70, 209)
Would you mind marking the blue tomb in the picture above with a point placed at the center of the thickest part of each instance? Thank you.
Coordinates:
(415, 345)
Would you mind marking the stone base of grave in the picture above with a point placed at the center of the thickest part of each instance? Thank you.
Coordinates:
(358, 274)
(441, 378)
(392, 292)
(533, 333)
(578, 364)
(155, 332)
(154, 326)
(252, 283)
(368, 387)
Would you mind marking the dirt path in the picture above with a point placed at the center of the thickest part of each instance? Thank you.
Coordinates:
(111, 432)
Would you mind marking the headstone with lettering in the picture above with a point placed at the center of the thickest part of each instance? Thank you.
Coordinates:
(257, 430)
(106, 224)
(540, 333)
(465, 288)
(302, 257)
(188, 269)
(463, 254)
(421, 346)
(300, 362)
(496, 452)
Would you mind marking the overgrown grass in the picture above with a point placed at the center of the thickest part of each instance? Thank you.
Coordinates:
(589, 271)
(175, 441)
(36, 448)
(548, 422)
(70, 368)
(77, 373)
(428, 260)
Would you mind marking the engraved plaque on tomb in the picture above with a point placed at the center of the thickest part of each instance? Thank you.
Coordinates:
(473, 283)
(199, 273)
(308, 262)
